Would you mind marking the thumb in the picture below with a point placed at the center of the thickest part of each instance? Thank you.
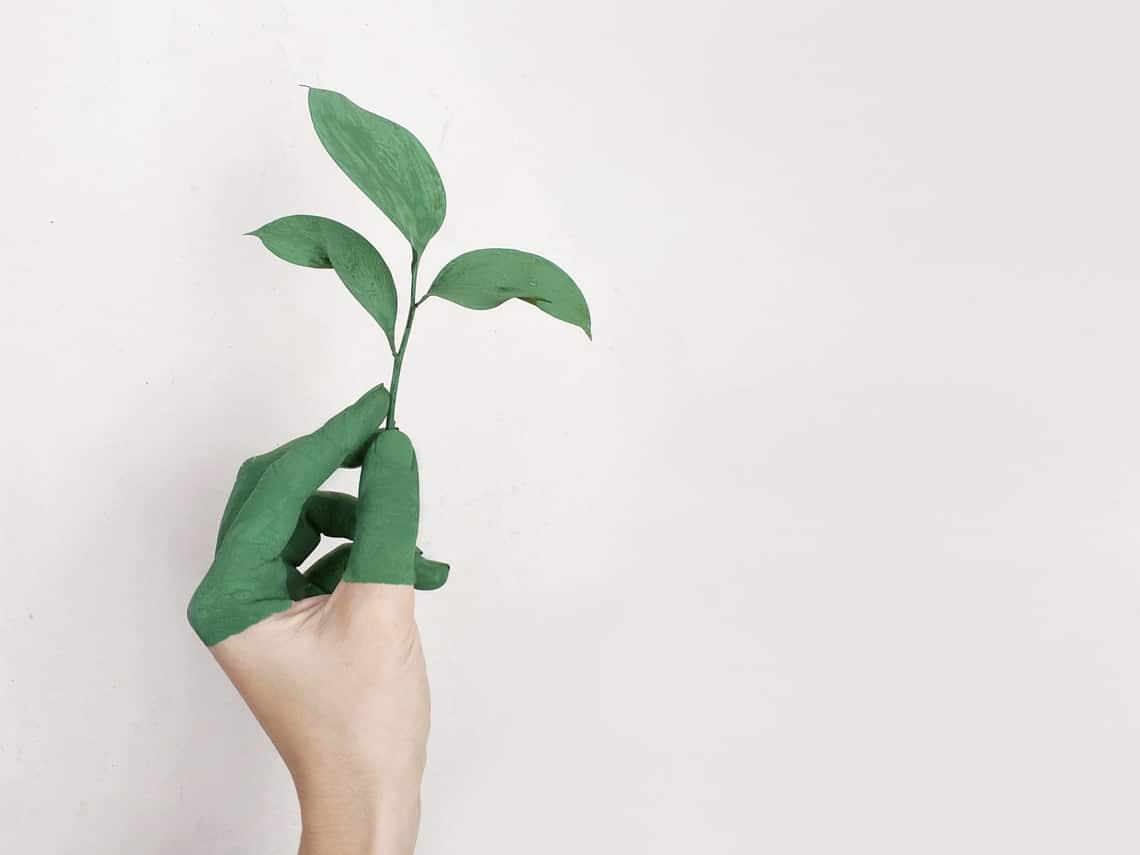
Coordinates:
(388, 514)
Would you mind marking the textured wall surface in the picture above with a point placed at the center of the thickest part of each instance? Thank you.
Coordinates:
(826, 543)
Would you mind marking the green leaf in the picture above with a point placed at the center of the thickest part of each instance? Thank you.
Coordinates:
(486, 278)
(319, 242)
(385, 161)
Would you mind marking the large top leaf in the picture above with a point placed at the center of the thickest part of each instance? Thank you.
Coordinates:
(385, 161)
(486, 278)
(319, 242)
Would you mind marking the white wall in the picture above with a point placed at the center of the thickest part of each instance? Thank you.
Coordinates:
(827, 543)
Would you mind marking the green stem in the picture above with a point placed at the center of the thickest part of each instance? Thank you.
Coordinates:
(398, 362)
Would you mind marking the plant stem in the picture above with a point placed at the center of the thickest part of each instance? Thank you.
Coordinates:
(398, 362)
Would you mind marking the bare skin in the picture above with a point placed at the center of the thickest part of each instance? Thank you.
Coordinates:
(338, 682)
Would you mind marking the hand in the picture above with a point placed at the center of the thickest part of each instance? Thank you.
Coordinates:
(330, 661)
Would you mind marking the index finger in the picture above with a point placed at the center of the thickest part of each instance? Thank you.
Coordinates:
(248, 580)
(265, 522)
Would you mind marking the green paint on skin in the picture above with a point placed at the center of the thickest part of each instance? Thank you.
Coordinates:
(430, 574)
(328, 514)
(249, 580)
(389, 514)
(326, 572)
(276, 515)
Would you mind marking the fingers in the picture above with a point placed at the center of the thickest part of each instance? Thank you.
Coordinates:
(327, 571)
(248, 475)
(329, 514)
(354, 460)
(252, 470)
(248, 580)
(380, 571)
(388, 514)
(262, 527)
(232, 598)
(298, 585)
(324, 513)
(430, 574)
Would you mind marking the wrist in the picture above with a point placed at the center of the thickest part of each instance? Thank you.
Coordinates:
(355, 823)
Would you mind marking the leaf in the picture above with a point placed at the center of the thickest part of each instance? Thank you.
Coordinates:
(385, 161)
(486, 278)
(320, 242)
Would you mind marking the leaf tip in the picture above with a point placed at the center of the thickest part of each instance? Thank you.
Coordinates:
(587, 326)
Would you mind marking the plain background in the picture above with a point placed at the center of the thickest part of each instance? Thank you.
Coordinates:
(826, 543)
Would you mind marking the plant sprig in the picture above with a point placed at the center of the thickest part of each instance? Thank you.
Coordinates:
(393, 169)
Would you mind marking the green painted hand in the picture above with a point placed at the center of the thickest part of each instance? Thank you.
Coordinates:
(276, 515)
